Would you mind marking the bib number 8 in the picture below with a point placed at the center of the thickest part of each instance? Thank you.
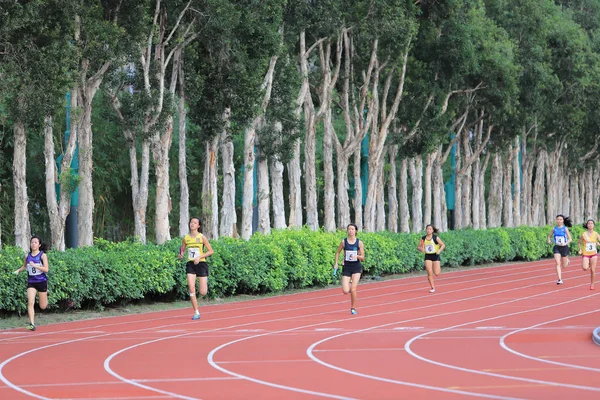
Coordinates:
(31, 270)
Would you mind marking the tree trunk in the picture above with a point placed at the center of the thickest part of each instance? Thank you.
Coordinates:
(581, 196)
(310, 173)
(139, 190)
(228, 214)
(264, 197)
(403, 198)
(476, 194)
(342, 190)
(277, 190)
(416, 178)
(22, 227)
(458, 209)
(589, 193)
(438, 189)
(358, 209)
(57, 212)
(495, 199)
(482, 205)
(574, 198)
(85, 137)
(427, 211)
(294, 177)
(507, 204)
(249, 160)
(517, 183)
(184, 191)
(380, 201)
(596, 195)
(329, 189)
(539, 214)
(392, 187)
(160, 152)
(210, 204)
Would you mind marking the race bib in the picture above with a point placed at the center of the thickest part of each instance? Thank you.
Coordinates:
(32, 270)
(193, 253)
(351, 255)
(590, 247)
(560, 240)
(430, 249)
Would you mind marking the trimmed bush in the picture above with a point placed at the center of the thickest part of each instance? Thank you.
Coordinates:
(113, 273)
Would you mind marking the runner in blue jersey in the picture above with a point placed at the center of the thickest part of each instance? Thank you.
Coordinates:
(561, 237)
(354, 253)
(36, 264)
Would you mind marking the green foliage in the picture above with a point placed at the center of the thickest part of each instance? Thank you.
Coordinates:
(110, 273)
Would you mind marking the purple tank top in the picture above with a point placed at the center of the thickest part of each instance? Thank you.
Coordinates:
(34, 274)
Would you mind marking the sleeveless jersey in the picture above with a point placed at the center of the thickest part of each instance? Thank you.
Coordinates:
(589, 247)
(351, 250)
(194, 247)
(34, 275)
(430, 245)
(560, 235)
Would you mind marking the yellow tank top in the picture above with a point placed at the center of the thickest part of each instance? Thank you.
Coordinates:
(430, 246)
(194, 247)
(589, 247)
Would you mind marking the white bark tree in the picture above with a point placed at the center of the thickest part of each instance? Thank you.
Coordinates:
(184, 191)
(416, 179)
(276, 168)
(380, 131)
(228, 214)
(495, 197)
(22, 226)
(392, 191)
(210, 204)
(250, 156)
(403, 197)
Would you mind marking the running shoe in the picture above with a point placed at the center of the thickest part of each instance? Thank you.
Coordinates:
(560, 282)
(432, 291)
(592, 287)
(30, 327)
(196, 316)
(353, 311)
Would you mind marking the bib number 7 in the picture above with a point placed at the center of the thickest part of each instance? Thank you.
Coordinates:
(193, 253)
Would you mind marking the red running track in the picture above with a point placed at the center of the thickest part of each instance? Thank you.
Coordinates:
(504, 332)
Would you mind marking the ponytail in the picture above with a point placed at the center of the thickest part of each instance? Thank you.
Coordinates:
(435, 230)
(566, 220)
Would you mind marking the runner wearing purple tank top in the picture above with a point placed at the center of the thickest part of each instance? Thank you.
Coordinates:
(36, 264)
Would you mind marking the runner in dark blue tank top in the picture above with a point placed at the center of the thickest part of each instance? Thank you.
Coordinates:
(36, 264)
(354, 253)
(561, 237)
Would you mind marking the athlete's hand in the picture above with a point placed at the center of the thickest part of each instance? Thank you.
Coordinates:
(197, 260)
(17, 272)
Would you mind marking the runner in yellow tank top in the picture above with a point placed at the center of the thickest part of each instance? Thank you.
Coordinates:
(588, 248)
(196, 267)
(432, 246)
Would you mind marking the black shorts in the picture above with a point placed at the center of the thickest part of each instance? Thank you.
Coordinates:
(39, 286)
(562, 250)
(200, 269)
(432, 257)
(351, 269)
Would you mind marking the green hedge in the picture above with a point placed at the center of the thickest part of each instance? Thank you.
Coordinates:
(113, 273)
